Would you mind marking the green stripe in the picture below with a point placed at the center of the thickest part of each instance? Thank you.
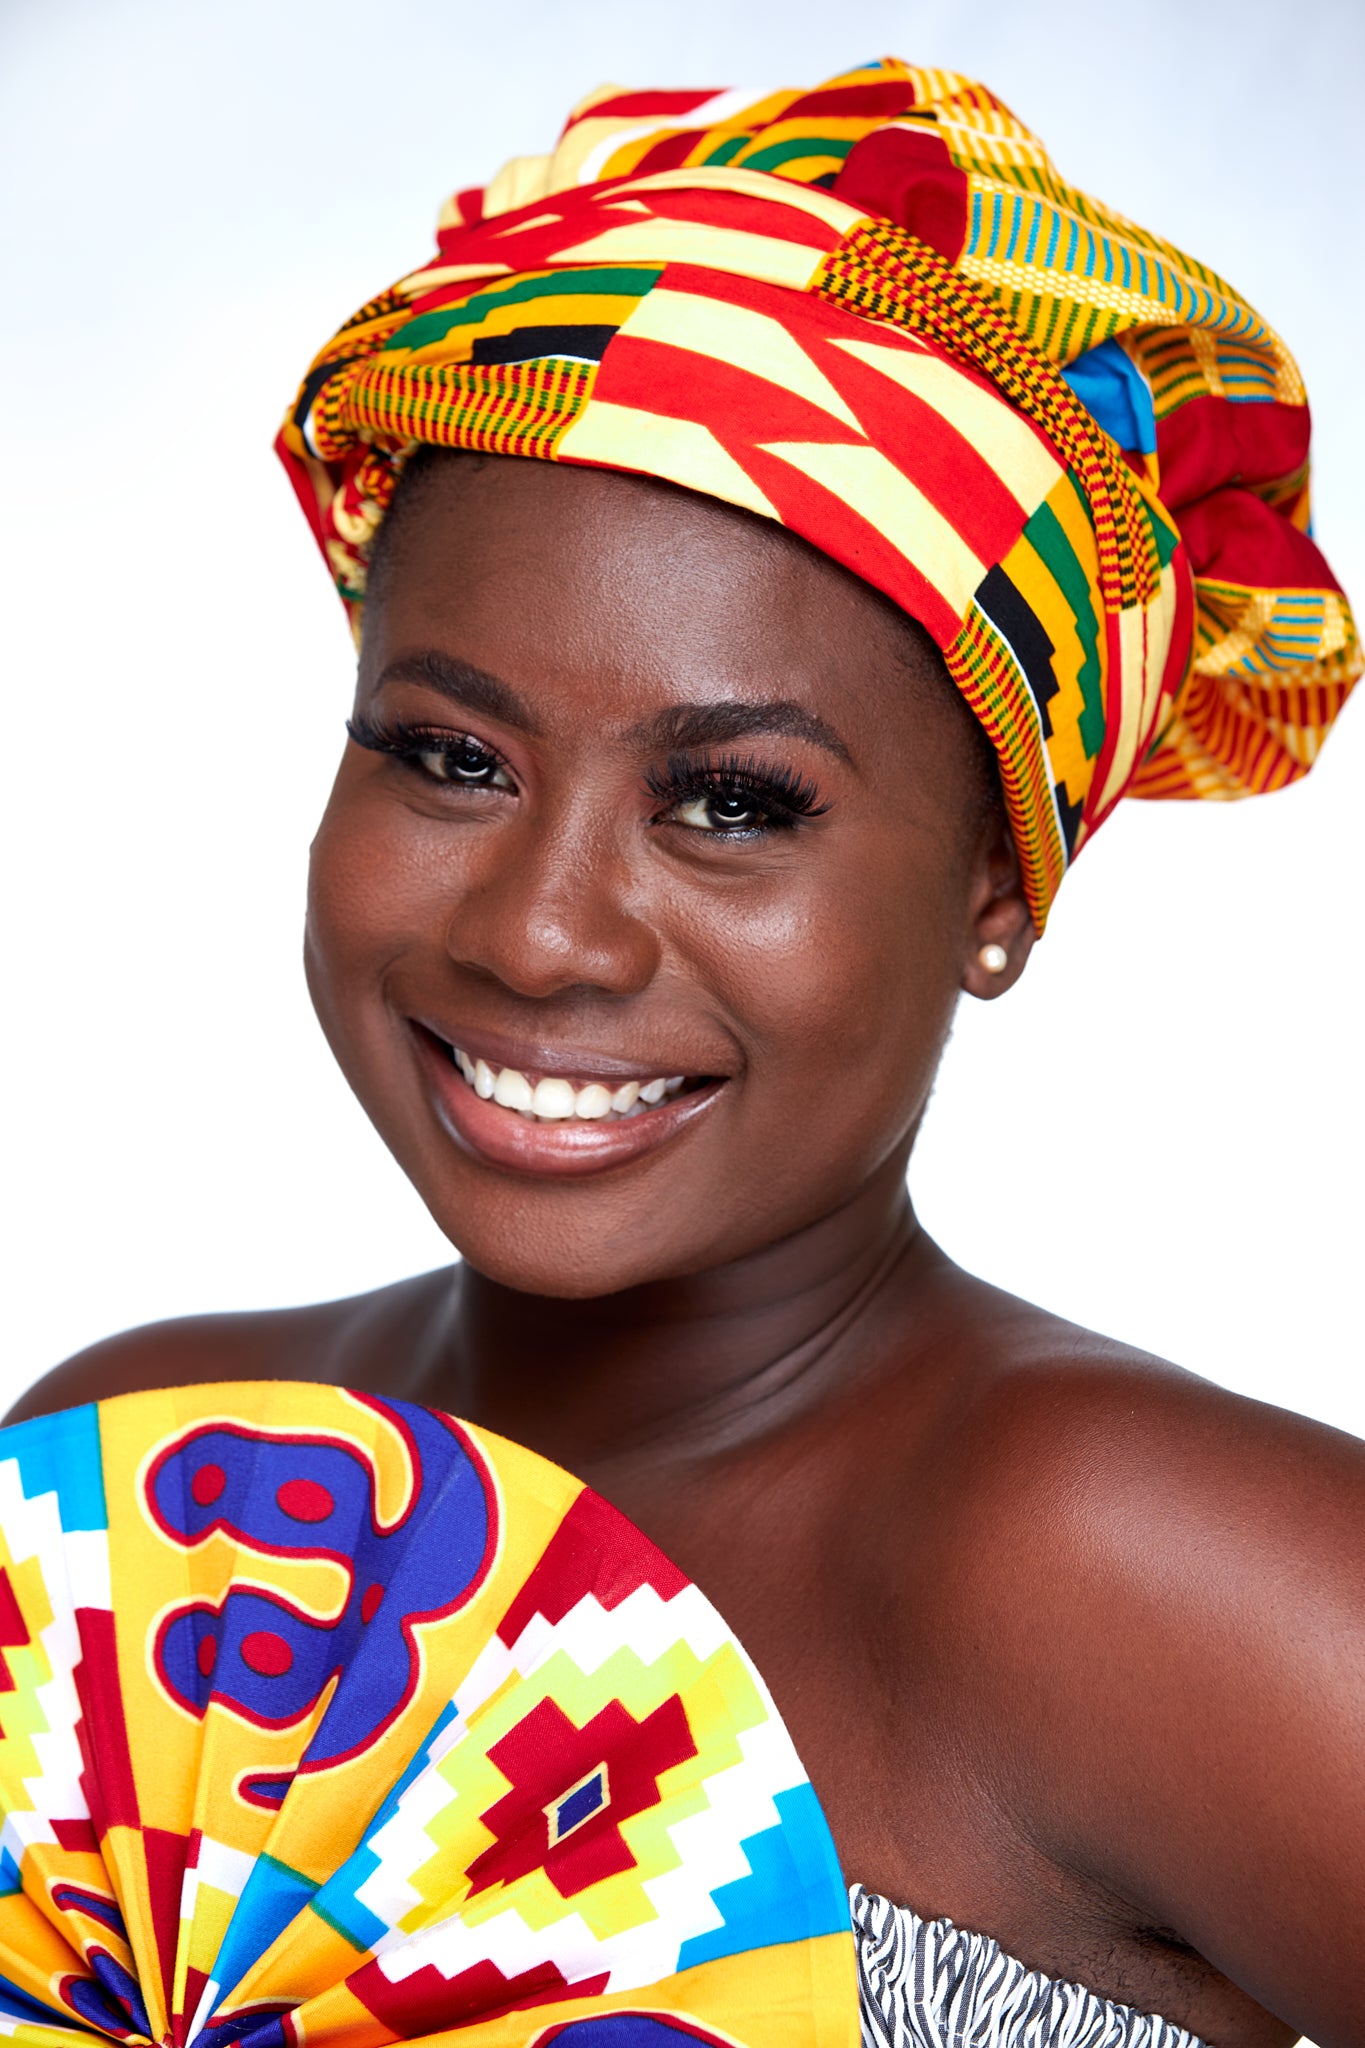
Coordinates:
(1164, 535)
(796, 146)
(729, 147)
(1047, 535)
(592, 281)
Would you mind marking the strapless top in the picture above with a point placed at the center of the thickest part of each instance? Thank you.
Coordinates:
(929, 1984)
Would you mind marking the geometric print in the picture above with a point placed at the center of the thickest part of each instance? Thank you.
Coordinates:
(327, 1719)
(875, 313)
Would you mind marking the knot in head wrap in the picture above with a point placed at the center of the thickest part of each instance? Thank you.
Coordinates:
(875, 313)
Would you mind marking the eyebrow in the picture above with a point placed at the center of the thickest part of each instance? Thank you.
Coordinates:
(473, 689)
(683, 726)
(676, 729)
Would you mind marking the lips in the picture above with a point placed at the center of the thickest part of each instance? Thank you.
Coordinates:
(553, 1098)
(557, 1114)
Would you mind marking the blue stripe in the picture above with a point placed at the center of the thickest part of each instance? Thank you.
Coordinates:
(338, 1902)
(273, 1895)
(1034, 231)
(17, 2005)
(1115, 392)
(794, 1889)
(61, 1454)
(1016, 226)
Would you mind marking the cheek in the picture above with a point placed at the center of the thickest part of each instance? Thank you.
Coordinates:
(846, 985)
(369, 896)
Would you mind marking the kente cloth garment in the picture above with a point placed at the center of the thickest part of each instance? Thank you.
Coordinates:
(875, 313)
(328, 1721)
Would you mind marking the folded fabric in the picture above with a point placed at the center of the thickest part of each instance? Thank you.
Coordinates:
(875, 313)
(329, 1720)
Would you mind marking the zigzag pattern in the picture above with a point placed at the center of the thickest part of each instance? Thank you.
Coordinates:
(588, 1796)
(700, 286)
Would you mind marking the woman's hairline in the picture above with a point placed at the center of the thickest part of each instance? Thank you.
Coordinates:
(919, 657)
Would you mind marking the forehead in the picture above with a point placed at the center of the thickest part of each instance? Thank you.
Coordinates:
(598, 590)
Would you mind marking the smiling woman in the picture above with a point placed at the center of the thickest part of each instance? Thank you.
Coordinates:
(592, 791)
(778, 531)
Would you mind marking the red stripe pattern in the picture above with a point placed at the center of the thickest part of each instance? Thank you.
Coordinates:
(875, 313)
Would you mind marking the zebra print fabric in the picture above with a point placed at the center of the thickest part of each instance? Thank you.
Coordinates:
(928, 1984)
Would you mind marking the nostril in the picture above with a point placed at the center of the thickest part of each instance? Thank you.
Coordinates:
(588, 944)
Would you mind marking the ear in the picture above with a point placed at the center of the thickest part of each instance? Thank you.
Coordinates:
(998, 916)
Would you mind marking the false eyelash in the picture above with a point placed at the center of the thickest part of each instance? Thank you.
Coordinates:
(406, 742)
(781, 794)
(382, 736)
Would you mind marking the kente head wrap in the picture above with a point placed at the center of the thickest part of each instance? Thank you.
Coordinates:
(875, 313)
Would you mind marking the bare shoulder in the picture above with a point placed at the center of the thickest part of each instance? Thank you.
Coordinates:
(1122, 1456)
(1041, 1418)
(1082, 1467)
(351, 1342)
(1152, 1593)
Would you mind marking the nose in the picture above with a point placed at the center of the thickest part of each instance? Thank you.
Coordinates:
(551, 909)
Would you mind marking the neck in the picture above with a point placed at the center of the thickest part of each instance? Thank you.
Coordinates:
(684, 1368)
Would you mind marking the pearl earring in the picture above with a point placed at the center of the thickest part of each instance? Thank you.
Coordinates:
(994, 959)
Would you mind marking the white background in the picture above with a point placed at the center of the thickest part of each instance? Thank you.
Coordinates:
(1159, 1133)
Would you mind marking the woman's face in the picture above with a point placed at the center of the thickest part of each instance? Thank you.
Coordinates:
(645, 789)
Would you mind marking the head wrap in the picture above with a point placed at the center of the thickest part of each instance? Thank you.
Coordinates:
(875, 313)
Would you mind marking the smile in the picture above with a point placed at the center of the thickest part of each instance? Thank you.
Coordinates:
(554, 1098)
(590, 1115)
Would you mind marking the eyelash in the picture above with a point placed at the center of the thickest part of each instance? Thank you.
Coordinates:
(408, 743)
(778, 796)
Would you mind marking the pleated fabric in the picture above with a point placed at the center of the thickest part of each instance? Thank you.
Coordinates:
(875, 312)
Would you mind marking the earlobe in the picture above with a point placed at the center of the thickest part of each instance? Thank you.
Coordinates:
(997, 964)
(1000, 934)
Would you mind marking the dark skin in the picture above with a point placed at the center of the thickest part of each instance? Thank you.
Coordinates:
(1071, 1643)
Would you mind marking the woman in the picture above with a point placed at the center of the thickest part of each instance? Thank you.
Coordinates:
(754, 622)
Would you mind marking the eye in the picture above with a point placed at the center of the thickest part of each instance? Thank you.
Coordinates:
(461, 760)
(456, 759)
(721, 810)
(733, 798)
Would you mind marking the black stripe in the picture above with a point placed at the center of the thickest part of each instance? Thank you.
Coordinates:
(1014, 617)
(1007, 608)
(313, 383)
(529, 344)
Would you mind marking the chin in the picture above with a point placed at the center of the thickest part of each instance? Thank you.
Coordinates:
(568, 1265)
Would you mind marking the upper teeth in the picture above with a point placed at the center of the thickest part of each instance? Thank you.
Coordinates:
(553, 1099)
